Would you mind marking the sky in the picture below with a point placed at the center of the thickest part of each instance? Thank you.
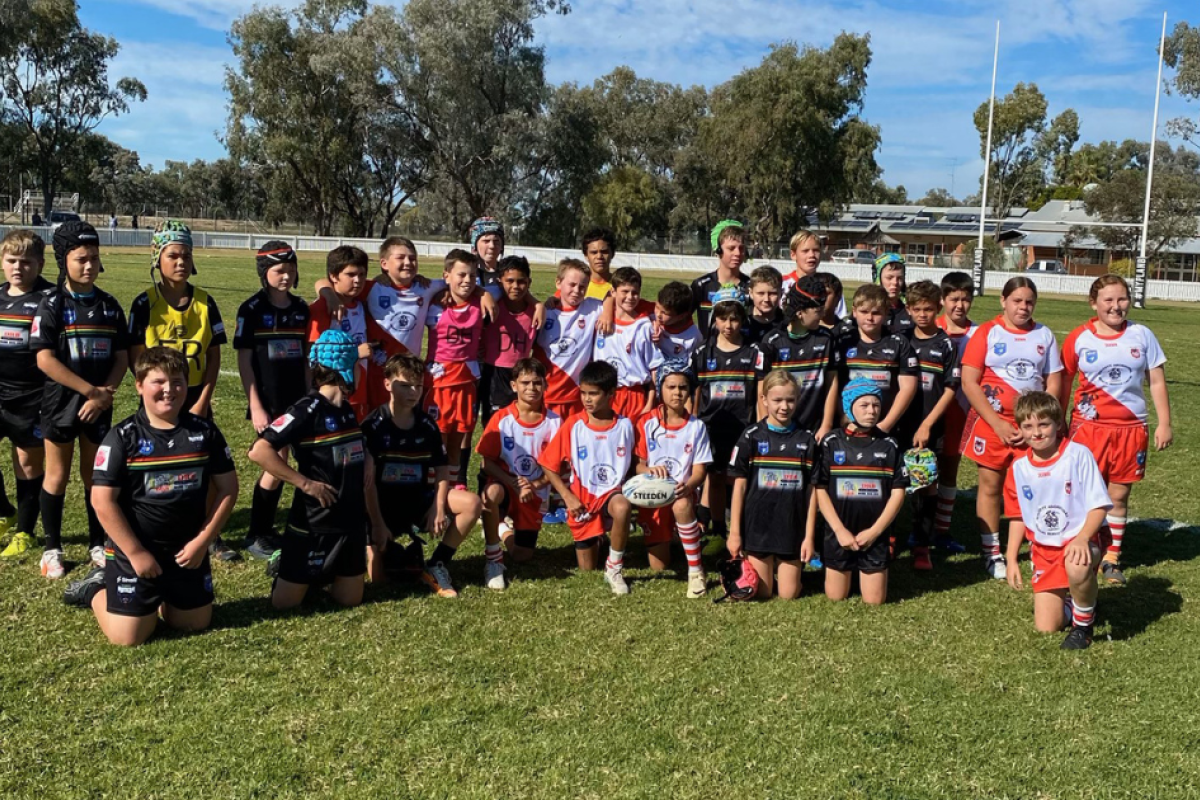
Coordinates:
(931, 64)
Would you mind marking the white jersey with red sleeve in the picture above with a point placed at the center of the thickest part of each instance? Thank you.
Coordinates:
(1053, 498)
(1011, 361)
(960, 344)
(564, 345)
(678, 447)
(401, 312)
(681, 342)
(631, 352)
(1112, 371)
(599, 457)
(516, 445)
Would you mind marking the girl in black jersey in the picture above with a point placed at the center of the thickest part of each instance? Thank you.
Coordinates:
(860, 490)
(325, 540)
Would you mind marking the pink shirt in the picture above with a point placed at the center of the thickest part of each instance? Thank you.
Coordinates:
(454, 335)
(510, 337)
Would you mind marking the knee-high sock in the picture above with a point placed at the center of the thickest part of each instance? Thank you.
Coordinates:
(1117, 526)
(689, 537)
(27, 503)
(263, 506)
(52, 513)
(945, 509)
(95, 529)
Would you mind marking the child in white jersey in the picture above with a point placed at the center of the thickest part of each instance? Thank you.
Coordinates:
(564, 343)
(1057, 494)
(629, 347)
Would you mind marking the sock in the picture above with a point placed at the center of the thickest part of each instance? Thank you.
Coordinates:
(52, 511)
(991, 544)
(454, 476)
(945, 509)
(1083, 616)
(263, 506)
(494, 553)
(27, 503)
(6, 508)
(689, 537)
(703, 516)
(1117, 526)
(924, 509)
(616, 559)
(442, 554)
(95, 529)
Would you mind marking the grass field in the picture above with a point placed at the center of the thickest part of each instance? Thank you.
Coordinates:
(555, 688)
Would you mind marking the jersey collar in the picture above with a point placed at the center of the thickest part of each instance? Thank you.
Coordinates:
(1091, 326)
(1062, 447)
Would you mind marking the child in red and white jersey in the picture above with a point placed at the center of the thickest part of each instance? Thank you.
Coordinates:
(958, 293)
(671, 443)
(597, 445)
(629, 347)
(1007, 356)
(515, 436)
(1113, 358)
(564, 343)
(673, 312)
(1057, 496)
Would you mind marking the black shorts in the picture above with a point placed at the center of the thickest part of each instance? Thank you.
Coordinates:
(317, 559)
(772, 546)
(499, 389)
(64, 427)
(414, 516)
(873, 559)
(722, 438)
(21, 422)
(180, 588)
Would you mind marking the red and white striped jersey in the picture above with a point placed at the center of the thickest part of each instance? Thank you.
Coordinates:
(1053, 498)
(629, 349)
(677, 448)
(564, 345)
(1012, 361)
(680, 343)
(960, 342)
(516, 444)
(1112, 371)
(599, 457)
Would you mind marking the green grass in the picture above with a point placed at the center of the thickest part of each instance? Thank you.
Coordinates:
(557, 689)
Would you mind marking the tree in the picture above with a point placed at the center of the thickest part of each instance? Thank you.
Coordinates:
(938, 197)
(626, 200)
(54, 81)
(1182, 53)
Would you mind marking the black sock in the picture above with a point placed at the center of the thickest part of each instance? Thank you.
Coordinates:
(27, 503)
(442, 554)
(52, 511)
(95, 529)
(262, 510)
(6, 508)
(924, 518)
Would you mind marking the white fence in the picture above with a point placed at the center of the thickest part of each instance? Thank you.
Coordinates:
(697, 265)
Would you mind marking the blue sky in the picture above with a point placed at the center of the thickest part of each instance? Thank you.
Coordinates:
(931, 65)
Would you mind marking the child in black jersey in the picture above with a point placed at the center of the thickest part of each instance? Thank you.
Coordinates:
(774, 516)
(21, 383)
(326, 535)
(889, 273)
(728, 241)
(860, 489)
(923, 424)
(152, 479)
(82, 348)
(411, 490)
(805, 352)
(765, 314)
(727, 370)
(886, 359)
(271, 340)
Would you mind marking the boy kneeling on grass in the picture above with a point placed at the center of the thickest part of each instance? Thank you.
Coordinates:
(150, 491)
(1060, 501)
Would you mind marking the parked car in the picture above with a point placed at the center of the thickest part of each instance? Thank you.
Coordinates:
(59, 217)
(1051, 265)
(853, 257)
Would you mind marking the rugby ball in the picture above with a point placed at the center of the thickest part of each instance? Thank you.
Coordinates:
(646, 491)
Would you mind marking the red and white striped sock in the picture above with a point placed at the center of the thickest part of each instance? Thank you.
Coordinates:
(494, 552)
(1083, 616)
(945, 510)
(616, 559)
(689, 537)
(1117, 526)
(991, 544)
(454, 477)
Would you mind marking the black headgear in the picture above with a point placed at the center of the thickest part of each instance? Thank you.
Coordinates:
(808, 292)
(70, 235)
(272, 253)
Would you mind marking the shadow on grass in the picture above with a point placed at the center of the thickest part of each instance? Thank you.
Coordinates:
(1150, 541)
(1131, 609)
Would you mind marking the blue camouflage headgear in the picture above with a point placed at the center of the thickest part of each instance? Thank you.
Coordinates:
(337, 351)
(883, 262)
(482, 227)
(730, 291)
(674, 366)
(859, 387)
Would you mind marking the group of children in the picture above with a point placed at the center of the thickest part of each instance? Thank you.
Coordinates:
(765, 406)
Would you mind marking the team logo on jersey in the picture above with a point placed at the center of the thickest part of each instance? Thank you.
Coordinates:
(1067, 487)
(712, 363)
(852, 352)
(581, 453)
(784, 353)
(145, 447)
(37, 434)
(1053, 520)
(581, 323)
(980, 446)
(509, 442)
(839, 457)
(629, 348)
(1041, 348)
(620, 451)
(1141, 458)
(268, 320)
(603, 475)
(1090, 356)
(763, 448)
(331, 424)
(1021, 369)
(1000, 348)
(687, 448)
(1136, 353)
(651, 445)
(601, 342)
(69, 316)
(1116, 375)
(345, 325)
(385, 302)
(1027, 491)
(548, 326)
(525, 465)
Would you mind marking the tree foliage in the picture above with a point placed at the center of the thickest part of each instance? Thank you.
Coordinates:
(1182, 53)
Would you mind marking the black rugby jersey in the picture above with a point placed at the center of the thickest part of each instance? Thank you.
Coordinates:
(757, 331)
(86, 335)
(728, 384)
(859, 472)
(20, 378)
(405, 460)
(163, 475)
(881, 362)
(277, 337)
(899, 321)
(778, 468)
(940, 370)
(807, 358)
(328, 445)
(705, 288)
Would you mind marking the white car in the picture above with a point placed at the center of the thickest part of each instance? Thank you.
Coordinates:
(59, 217)
(853, 257)
(1051, 265)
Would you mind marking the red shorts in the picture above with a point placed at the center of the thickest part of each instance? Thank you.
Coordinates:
(954, 420)
(659, 523)
(1049, 569)
(1120, 450)
(452, 407)
(981, 444)
(525, 516)
(597, 524)
(630, 401)
(565, 410)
